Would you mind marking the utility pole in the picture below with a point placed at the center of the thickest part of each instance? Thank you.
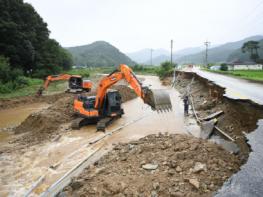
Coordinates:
(171, 52)
(151, 50)
(206, 52)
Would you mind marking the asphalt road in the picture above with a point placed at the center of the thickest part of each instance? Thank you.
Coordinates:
(236, 88)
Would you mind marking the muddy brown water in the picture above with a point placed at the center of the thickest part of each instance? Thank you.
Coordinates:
(20, 171)
(14, 116)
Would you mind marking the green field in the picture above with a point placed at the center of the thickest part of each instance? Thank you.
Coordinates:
(255, 75)
(32, 88)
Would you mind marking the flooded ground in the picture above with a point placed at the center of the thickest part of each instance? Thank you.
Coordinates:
(19, 170)
(9, 118)
(12, 117)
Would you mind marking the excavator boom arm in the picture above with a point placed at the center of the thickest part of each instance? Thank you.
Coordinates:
(157, 99)
(124, 72)
(55, 78)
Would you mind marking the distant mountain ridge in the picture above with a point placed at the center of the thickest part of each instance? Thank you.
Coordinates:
(160, 55)
(99, 53)
(143, 56)
(221, 53)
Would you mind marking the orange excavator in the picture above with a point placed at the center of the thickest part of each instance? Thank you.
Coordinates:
(75, 83)
(106, 105)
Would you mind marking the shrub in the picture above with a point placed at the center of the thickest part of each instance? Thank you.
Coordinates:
(165, 70)
(224, 67)
(10, 79)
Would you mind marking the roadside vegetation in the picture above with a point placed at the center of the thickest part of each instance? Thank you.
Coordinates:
(255, 75)
(166, 69)
(145, 69)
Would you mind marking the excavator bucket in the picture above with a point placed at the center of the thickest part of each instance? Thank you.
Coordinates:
(158, 99)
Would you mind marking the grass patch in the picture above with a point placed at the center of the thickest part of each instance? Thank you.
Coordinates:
(32, 88)
(255, 75)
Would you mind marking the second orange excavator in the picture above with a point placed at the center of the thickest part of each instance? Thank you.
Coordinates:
(106, 105)
(75, 83)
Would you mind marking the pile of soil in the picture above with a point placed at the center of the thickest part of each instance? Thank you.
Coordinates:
(126, 92)
(157, 165)
(45, 124)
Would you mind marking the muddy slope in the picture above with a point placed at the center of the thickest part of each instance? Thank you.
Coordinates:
(240, 116)
(157, 165)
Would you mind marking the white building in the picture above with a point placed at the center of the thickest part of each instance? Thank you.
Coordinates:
(245, 66)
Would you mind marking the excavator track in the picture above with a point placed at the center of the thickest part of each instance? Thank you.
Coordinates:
(78, 123)
(103, 123)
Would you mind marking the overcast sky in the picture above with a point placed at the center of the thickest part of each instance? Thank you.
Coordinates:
(132, 25)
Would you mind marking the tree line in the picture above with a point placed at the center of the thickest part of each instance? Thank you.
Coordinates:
(25, 46)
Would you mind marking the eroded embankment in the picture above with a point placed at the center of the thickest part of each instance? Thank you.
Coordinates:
(239, 117)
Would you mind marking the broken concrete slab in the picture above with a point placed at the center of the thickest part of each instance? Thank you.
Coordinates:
(227, 145)
(207, 129)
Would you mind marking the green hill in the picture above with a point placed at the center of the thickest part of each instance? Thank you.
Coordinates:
(99, 53)
(217, 54)
(237, 55)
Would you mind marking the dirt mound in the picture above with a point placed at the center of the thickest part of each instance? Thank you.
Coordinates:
(157, 165)
(45, 124)
(126, 92)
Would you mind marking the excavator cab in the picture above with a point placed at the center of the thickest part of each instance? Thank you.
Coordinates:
(112, 104)
(110, 110)
(75, 83)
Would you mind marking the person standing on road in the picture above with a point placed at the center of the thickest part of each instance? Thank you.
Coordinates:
(186, 104)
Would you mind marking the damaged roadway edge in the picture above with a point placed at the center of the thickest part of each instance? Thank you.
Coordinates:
(248, 181)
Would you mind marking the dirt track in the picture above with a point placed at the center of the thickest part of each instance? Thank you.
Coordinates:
(185, 166)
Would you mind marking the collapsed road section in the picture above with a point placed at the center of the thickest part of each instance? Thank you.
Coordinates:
(240, 119)
(237, 116)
